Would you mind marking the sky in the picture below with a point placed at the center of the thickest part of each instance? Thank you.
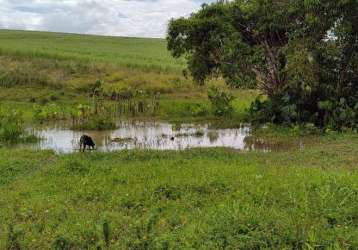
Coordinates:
(136, 18)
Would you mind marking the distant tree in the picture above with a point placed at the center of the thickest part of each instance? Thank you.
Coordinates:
(302, 54)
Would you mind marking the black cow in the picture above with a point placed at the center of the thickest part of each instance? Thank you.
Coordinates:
(86, 141)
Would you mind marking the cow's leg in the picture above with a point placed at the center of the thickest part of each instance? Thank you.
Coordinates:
(84, 147)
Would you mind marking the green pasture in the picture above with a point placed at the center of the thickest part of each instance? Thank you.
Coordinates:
(144, 53)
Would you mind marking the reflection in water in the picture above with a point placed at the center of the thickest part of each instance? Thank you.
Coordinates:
(146, 135)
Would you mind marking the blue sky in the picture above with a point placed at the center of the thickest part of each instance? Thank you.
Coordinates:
(140, 18)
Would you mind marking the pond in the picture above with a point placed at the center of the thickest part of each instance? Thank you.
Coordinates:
(147, 135)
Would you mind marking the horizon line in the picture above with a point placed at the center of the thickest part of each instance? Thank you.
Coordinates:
(82, 34)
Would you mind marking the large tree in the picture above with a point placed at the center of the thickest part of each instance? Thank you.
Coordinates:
(302, 54)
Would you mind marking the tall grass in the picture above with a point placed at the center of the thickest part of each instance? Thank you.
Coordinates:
(20, 76)
(197, 199)
(12, 128)
(55, 70)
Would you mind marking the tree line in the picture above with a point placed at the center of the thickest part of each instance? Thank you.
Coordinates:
(302, 55)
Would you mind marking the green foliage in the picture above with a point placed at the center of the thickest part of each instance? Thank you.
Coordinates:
(76, 167)
(280, 111)
(62, 243)
(220, 101)
(21, 76)
(127, 92)
(299, 53)
(338, 114)
(12, 127)
(48, 112)
(213, 199)
(166, 192)
(135, 102)
(23, 73)
(106, 232)
(13, 238)
(98, 115)
(95, 117)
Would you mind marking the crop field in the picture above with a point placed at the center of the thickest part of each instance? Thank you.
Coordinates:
(144, 53)
(302, 194)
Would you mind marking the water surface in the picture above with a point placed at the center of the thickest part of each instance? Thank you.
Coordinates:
(144, 135)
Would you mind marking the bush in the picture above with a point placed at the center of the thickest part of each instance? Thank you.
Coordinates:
(62, 243)
(48, 112)
(93, 118)
(220, 101)
(335, 114)
(12, 128)
(98, 115)
(192, 109)
(278, 111)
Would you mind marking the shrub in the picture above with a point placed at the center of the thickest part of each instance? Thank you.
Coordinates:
(62, 243)
(220, 101)
(335, 114)
(278, 110)
(48, 112)
(93, 118)
(12, 128)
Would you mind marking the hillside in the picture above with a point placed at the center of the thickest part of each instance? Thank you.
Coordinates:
(124, 51)
(60, 69)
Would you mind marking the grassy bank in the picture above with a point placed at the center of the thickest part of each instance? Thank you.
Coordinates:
(198, 199)
(47, 69)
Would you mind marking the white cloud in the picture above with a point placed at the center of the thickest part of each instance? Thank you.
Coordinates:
(141, 18)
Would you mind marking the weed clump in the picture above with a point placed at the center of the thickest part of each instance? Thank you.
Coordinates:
(13, 236)
(12, 128)
(42, 113)
(166, 192)
(62, 243)
(221, 101)
(106, 232)
(86, 117)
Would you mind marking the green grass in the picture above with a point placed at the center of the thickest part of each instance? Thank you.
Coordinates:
(142, 53)
(197, 199)
(54, 68)
(12, 128)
